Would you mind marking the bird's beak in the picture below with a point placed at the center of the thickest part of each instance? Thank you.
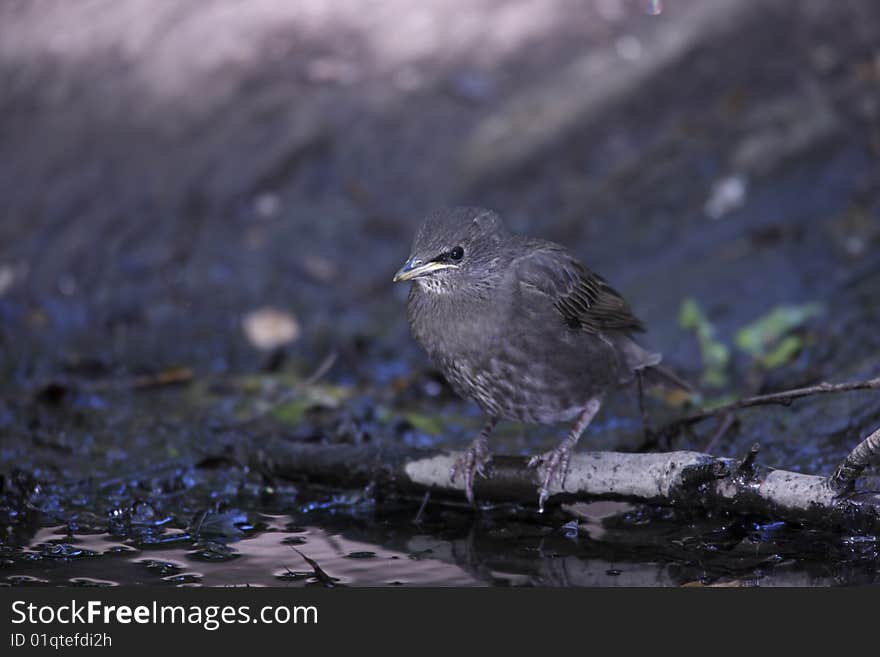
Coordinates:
(415, 268)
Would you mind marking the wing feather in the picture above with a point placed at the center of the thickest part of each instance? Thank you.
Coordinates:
(582, 298)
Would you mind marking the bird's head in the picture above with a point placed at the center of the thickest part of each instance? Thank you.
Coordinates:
(455, 249)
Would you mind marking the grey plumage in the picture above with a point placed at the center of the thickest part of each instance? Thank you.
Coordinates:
(521, 327)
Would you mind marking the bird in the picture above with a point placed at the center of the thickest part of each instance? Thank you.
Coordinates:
(520, 326)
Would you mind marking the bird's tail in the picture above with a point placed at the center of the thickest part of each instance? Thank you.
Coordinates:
(647, 365)
(657, 375)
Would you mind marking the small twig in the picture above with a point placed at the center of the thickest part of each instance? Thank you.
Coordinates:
(418, 519)
(727, 421)
(866, 452)
(640, 388)
(325, 366)
(290, 393)
(198, 526)
(784, 397)
(54, 391)
(320, 575)
(165, 378)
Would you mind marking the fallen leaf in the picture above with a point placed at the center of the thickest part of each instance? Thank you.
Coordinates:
(269, 328)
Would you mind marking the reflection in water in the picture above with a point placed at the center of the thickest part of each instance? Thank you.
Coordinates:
(636, 547)
(263, 559)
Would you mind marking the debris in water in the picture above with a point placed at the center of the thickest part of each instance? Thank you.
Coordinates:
(320, 575)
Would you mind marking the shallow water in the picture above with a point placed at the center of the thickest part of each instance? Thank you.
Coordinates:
(263, 559)
(616, 545)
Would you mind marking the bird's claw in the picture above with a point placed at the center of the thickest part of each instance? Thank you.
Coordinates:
(554, 464)
(472, 462)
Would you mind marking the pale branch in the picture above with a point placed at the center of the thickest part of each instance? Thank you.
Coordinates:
(865, 453)
(681, 479)
(783, 397)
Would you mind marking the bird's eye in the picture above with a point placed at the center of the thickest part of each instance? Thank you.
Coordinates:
(457, 253)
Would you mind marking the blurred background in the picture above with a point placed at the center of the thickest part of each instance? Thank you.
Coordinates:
(214, 195)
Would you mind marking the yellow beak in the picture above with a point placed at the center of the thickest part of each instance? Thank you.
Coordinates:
(415, 268)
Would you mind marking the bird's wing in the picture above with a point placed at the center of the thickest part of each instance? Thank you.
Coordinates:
(581, 297)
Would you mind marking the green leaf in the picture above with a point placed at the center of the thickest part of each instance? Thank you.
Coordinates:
(291, 412)
(428, 424)
(784, 353)
(690, 316)
(715, 354)
(766, 339)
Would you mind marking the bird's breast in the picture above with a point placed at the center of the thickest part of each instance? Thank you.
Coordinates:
(511, 365)
(451, 328)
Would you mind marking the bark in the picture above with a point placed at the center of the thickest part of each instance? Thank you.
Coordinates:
(682, 479)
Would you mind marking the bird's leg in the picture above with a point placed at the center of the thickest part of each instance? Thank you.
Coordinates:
(474, 459)
(640, 388)
(555, 462)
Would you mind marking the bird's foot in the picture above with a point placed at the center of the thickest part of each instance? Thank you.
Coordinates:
(470, 464)
(551, 464)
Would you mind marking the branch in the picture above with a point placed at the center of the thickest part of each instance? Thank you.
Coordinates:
(784, 397)
(866, 452)
(681, 479)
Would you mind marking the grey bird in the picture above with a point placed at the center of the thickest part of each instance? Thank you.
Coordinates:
(518, 325)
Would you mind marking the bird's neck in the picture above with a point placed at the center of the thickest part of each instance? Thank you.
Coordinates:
(433, 286)
(467, 316)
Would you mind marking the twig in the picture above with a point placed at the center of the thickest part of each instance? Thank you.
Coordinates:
(844, 478)
(320, 575)
(290, 393)
(325, 366)
(165, 378)
(418, 519)
(727, 421)
(784, 397)
(640, 390)
(55, 391)
(747, 465)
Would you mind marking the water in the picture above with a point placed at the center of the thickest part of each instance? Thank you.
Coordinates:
(620, 545)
